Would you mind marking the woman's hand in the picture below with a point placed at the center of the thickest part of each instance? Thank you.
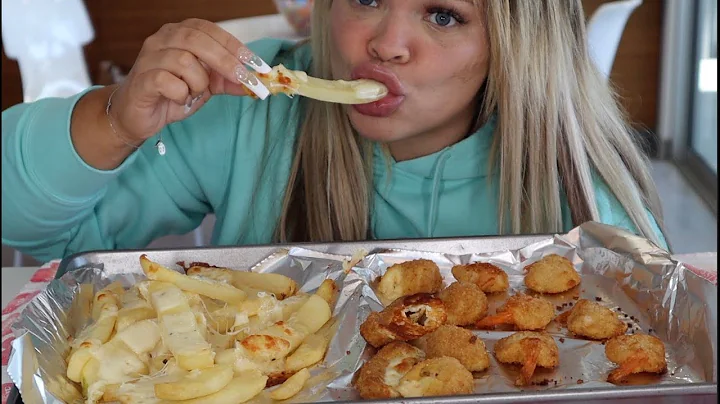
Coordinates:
(178, 69)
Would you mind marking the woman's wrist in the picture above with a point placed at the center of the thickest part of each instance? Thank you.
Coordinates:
(92, 135)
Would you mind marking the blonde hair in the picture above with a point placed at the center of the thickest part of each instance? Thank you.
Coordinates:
(558, 124)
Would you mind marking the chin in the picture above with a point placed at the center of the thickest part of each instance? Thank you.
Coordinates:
(375, 129)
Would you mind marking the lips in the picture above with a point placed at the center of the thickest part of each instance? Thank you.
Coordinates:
(391, 102)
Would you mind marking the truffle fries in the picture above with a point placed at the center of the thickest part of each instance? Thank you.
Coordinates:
(551, 274)
(407, 318)
(167, 339)
(488, 277)
(523, 311)
(637, 353)
(529, 349)
(592, 320)
(409, 278)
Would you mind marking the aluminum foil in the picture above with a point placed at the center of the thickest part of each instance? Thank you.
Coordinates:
(628, 274)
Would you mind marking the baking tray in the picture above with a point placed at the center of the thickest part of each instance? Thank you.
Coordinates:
(248, 256)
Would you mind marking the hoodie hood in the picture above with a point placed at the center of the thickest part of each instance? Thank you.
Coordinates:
(444, 194)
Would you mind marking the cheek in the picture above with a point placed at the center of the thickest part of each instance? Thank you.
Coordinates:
(349, 39)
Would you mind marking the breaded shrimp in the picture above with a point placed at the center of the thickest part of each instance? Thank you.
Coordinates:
(464, 303)
(490, 278)
(405, 319)
(458, 343)
(409, 278)
(524, 311)
(551, 274)
(529, 349)
(443, 376)
(380, 376)
(592, 320)
(636, 353)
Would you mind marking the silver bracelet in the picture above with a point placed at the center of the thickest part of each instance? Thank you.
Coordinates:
(160, 145)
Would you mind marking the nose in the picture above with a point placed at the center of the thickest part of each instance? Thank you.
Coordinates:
(391, 40)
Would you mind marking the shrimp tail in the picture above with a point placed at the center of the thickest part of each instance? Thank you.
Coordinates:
(531, 348)
(633, 364)
(505, 317)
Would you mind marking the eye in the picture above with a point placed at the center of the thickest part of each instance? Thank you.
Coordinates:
(370, 3)
(444, 18)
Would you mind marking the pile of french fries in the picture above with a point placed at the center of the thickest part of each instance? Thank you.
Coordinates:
(213, 335)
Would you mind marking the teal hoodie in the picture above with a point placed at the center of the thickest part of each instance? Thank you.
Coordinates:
(231, 158)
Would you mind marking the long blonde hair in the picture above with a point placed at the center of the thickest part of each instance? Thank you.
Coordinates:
(558, 123)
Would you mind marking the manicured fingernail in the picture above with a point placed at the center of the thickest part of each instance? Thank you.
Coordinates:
(191, 101)
(246, 56)
(245, 77)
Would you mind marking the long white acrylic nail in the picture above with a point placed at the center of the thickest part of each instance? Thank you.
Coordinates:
(246, 56)
(256, 86)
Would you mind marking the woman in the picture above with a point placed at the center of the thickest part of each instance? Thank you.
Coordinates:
(496, 123)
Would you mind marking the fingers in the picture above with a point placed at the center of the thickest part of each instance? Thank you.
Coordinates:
(184, 65)
(163, 83)
(219, 50)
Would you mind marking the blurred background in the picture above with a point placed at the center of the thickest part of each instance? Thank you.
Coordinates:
(660, 55)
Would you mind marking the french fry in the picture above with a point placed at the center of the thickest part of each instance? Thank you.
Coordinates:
(241, 388)
(140, 337)
(196, 384)
(182, 337)
(79, 358)
(108, 295)
(292, 386)
(167, 298)
(214, 289)
(310, 352)
(329, 291)
(312, 315)
(279, 285)
(218, 274)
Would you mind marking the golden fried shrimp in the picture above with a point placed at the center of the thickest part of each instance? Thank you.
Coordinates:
(458, 343)
(592, 320)
(409, 278)
(524, 311)
(552, 274)
(529, 349)
(464, 303)
(443, 376)
(636, 353)
(490, 278)
(380, 376)
(406, 318)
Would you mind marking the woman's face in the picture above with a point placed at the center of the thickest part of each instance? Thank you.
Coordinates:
(432, 55)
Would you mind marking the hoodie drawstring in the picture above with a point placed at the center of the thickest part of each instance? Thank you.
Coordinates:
(434, 199)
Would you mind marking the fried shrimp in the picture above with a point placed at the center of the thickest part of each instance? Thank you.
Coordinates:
(523, 311)
(409, 278)
(529, 349)
(464, 303)
(442, 376)
(458, 343)
(592, 320)
(490, 278)
(552, 274)
(380, 376)
(637, 353)
(406, 318)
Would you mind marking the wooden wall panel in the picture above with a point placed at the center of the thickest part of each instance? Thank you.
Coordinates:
(121, 26)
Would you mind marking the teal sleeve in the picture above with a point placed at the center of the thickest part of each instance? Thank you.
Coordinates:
(55, 205)
(612, 212)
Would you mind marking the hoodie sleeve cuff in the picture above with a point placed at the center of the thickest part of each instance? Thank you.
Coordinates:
(50, 156)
